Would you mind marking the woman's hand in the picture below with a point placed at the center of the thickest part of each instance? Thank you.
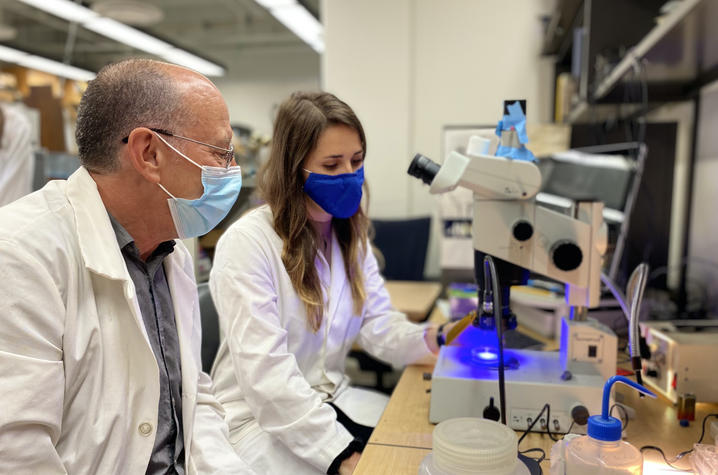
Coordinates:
(431, 333)
(348, 465)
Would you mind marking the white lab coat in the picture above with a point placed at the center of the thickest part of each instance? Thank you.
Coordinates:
(273, 374)
(17, 163)
(79, 384)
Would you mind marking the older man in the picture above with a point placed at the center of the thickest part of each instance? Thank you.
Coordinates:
(99, 323)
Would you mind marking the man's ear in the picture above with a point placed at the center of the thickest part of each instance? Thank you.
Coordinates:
(142, 153)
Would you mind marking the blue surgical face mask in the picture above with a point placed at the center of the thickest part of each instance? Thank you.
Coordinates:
(338, 195)
(197, 217)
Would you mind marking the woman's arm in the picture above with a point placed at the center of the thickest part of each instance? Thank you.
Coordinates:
(386, 333)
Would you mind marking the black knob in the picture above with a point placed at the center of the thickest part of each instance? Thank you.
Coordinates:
(566, 255)
(523, 230)
(579, 414)
(491, 411)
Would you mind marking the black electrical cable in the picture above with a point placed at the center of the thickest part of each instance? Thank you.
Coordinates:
(627, 126)
(673, 460)
(681, 454)
(546, 408)
(490, 271)
(625, 414)
(705, 419)
(644, 99)
(533, 423)
(548, 424)
(535, 449)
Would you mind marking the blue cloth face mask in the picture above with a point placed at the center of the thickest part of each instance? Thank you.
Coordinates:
(338, 195)
(197, 217)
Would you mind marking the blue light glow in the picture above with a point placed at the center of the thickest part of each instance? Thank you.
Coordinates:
(487, 355)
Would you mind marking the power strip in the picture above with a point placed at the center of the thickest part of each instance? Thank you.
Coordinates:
(714, 431)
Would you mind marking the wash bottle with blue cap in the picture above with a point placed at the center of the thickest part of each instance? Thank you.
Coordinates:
(602, 452)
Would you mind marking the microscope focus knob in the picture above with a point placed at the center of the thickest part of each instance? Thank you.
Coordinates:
(523, 230)
(566, 255)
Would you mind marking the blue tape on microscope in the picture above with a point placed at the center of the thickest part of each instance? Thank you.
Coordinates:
(516, 120)
(516, 153)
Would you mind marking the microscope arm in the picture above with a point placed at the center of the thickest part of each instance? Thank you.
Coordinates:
(495, 178)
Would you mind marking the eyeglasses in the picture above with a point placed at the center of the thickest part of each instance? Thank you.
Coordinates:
(227, 157)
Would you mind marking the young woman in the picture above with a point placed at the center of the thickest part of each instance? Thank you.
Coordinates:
(295, 284)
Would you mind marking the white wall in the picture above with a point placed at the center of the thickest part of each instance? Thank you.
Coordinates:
(253, 102)
(411, 67)
(367, 63)
(267, 78)
(682, 114)
(703, 236)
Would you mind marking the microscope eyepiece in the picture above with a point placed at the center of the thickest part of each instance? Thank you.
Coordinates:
(423, 168)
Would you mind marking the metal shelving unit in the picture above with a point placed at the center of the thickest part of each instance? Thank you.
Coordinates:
(677, 54)
(672, 62)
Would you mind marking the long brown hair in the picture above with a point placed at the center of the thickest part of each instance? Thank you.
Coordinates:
(300, 121)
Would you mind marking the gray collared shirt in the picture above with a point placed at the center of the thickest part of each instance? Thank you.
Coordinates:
(155, 301)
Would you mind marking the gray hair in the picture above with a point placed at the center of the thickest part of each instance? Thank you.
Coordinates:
(124, 95)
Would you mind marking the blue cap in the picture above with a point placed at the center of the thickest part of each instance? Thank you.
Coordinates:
(608, 430)
(605, 427)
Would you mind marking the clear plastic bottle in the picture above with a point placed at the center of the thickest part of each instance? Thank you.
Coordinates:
(470, 445)
(602, 452)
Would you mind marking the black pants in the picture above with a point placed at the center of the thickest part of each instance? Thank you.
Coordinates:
(360, 432)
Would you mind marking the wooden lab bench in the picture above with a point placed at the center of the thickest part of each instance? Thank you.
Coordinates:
(414, 298)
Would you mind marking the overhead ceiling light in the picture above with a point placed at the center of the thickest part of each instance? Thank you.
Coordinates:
(297, 19)
(56, 68)
(276, 3)
(122, 33)
(11, 55)
(128, 35)
(31, 61)
(129, 12)
(180, 56)
(301, 23)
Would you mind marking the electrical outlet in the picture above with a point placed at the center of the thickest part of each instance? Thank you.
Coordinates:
(521, 419)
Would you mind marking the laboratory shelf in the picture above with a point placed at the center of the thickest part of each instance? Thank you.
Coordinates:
(671, 63)
(676, 58)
